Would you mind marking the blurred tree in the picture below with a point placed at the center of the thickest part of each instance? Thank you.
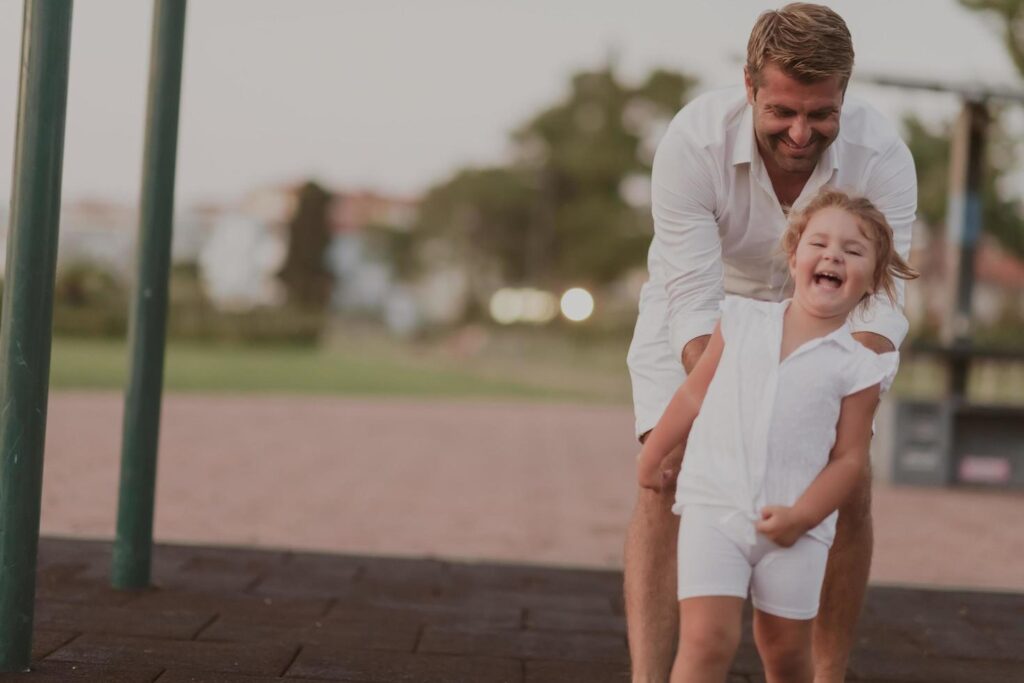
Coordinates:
(84, 284)
(305, 273)
(393, 245)
(590, 159)
(479, 223)
(1001, 217)
(573, 204)
(1009, 17)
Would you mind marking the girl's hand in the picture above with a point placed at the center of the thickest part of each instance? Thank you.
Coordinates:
(659, 477)
(782, 524)
(647, 474)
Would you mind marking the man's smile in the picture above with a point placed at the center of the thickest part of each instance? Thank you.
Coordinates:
(795, 147)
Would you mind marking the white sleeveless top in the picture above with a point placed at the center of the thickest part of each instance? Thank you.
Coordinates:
(765, 429)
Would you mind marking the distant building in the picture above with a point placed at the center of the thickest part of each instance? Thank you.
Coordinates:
(237, 265)
(248, 243)
(354, 211)
(364, 282)
(104, 234)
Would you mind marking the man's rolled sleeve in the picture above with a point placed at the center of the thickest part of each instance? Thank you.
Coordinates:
(687, 248)
(893, 190)
(696, 324)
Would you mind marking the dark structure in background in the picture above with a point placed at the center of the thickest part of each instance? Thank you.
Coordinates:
(955, 440)
(305, 274)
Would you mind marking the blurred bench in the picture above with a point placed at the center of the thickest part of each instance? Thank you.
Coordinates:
(956, 441)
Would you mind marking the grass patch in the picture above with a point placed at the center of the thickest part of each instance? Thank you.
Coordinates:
(473, 363)
(357, 364)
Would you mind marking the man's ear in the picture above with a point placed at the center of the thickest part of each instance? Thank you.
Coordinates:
(748, 82)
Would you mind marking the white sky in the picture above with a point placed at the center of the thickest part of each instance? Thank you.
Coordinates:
(396, 94)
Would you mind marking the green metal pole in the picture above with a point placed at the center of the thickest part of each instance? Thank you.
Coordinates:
(134, 542)
(26, 324)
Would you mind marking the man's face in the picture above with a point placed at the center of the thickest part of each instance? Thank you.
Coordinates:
(794, 122)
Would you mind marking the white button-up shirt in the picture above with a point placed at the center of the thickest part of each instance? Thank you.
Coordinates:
(766, 428)
(718, 224)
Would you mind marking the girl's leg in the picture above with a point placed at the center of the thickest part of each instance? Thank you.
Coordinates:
(787, 581)
(709, 632)
(785, 648)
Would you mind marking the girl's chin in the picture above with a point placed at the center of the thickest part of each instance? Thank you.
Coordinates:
(829, 305)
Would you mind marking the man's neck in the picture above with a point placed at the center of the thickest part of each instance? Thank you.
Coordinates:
(787, 186)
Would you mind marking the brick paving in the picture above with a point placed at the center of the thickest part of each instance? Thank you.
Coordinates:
(247, 616)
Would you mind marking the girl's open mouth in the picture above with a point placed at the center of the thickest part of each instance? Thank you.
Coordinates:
(831, 280)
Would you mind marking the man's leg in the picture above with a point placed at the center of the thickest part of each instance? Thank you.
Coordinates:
(846, 579)
(652, 611)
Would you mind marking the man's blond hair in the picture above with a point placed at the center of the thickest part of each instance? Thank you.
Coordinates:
(808, 42)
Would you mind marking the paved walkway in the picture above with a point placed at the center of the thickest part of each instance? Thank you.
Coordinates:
(550, 484)
(248, 616)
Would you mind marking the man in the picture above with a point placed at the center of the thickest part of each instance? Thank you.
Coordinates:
(725, 176)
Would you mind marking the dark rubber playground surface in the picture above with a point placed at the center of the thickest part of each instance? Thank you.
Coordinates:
(240, 615)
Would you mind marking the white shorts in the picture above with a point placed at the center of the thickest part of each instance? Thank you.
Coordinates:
(715, 560)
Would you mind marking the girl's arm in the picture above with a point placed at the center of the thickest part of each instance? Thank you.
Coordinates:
(674, 425)
(833, 485)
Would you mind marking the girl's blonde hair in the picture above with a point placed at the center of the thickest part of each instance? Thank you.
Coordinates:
(889, 265)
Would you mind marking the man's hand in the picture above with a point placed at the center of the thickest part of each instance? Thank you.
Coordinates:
(782, 524)
(875, 342)
(659, 476)
(693, 351)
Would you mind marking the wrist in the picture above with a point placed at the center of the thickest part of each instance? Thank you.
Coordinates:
(804, 518)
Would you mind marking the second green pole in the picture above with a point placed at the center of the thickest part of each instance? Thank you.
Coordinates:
(148, 328)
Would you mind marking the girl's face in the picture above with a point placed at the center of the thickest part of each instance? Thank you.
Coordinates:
(833, 265)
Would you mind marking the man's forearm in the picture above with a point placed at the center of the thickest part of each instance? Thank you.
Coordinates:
(693, 351)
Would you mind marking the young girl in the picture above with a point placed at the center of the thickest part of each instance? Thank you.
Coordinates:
(776, 417)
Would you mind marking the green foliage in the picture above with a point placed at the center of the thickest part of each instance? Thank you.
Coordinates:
(557, 214)
(393, 245)
(930, 149)
(305, 273)
(263, 326)
(482, 218)
(581, 151)
(193, 317)
(89, 301)
(84, 285)
(1001, 217)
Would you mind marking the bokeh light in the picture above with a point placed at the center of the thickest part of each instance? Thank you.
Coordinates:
(577, 304)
